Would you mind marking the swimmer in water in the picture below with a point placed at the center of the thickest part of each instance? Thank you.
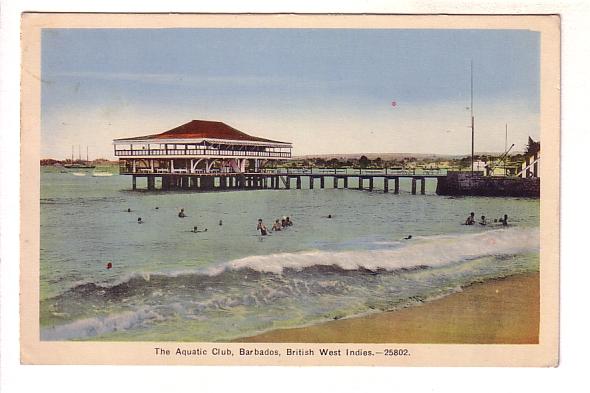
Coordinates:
(220, 222)
(288, 222)
(483, 221)
(408, 237)
(471, 219)
(276, 226)
(139, 221)
(109, 265)
(329, 216)
(129, 210)
(181, 214)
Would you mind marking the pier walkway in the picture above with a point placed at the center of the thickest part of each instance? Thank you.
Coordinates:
(285, 179)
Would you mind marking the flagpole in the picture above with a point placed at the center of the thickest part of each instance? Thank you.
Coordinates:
(505, 148)
(472, 124)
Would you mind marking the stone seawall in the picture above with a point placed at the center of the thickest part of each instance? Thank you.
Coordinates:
(464, 183)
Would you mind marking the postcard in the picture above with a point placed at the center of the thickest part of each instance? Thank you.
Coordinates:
(243, 189)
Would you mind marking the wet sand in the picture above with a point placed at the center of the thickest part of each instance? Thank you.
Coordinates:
(502, 311)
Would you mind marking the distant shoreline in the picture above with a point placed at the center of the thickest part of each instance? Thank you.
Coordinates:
(52, 162)
(342, 156)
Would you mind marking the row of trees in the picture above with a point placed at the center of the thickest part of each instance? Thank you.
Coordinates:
(361, 162)
(364, 162)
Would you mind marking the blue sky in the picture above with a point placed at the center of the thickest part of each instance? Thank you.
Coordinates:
(325, 90)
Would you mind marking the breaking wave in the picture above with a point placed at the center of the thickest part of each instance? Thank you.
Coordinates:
(429, 251)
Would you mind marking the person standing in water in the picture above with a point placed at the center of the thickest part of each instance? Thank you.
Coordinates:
(261, 227)
(471, 219)
(504, 221)
(483, 221)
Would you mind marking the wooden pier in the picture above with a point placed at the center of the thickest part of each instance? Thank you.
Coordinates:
(209, 155)
(286, 180)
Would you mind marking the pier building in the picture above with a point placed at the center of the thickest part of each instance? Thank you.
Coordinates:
(197, 155)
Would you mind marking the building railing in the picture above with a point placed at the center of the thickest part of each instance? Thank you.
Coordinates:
(200, 152)
(128, 170)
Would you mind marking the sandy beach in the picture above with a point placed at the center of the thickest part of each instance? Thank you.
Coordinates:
(502, 311)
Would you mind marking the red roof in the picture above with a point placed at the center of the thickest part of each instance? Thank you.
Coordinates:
(204, 129)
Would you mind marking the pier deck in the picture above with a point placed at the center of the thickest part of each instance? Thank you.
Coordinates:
(288, 179)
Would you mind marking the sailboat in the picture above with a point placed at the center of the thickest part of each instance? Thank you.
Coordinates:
(79, 164)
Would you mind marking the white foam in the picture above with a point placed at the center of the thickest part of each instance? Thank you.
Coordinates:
(91, 327)
(428, 251)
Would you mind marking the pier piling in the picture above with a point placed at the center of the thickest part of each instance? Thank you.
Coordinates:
(413, 186)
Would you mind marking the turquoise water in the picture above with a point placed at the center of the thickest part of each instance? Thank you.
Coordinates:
(168, 283)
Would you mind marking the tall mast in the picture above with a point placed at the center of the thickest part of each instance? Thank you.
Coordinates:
(506, 138)
(472, 123)
(505, 148)
(79, 154)
(86, 153)
(72, 154)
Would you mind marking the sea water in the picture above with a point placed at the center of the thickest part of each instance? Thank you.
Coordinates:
(169, 283)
